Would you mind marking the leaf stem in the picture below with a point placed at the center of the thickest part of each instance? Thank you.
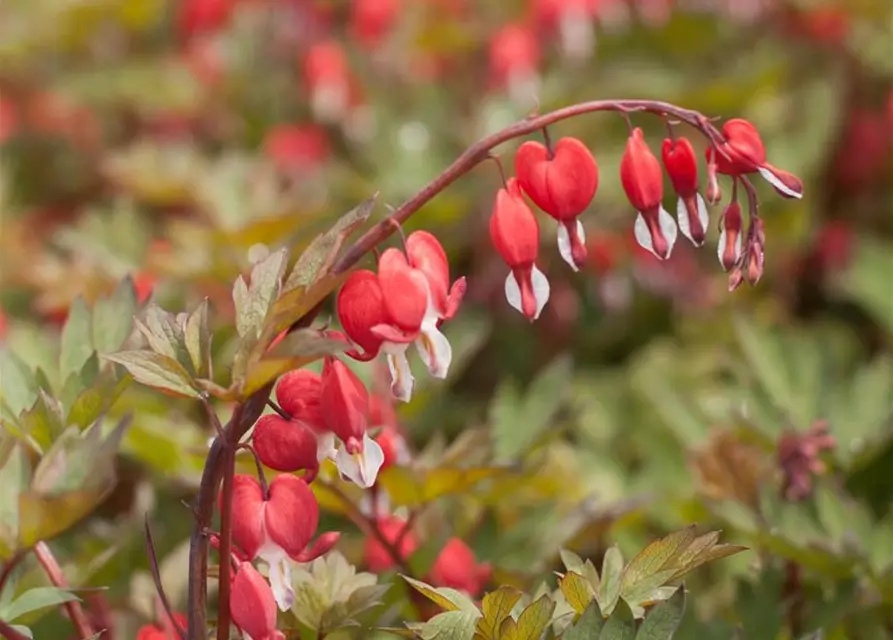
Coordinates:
(54, 573)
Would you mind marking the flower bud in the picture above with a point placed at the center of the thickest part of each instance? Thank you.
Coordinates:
(730, 240)
(682, 166)
(252, 604)
(642, 180)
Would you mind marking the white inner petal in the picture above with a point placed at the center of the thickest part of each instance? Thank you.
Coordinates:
(401, 374)
(703, 213)
(361, 468)
(772, 179)
(325, 446)
(434, 350)
(643, 235)
(280, 576)
(565, 248)
(513, 292)
(541, 290)
(682, 219)
(721, 247)
(668, 228)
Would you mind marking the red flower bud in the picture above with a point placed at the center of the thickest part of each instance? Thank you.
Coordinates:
(562, 184)
(516, 235)
(252, 604)
(286, 446)
(730, 240)
(682, 166)
(457, 568)
(642, 180)
(713, 193)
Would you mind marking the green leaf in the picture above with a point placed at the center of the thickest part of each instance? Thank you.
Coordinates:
(531, 623)
(663, 620)
(868, 279)
(320, 254)
(14, 476)
(297, 303)
(588, 627)
(443, 597)
(577, 591)
(157, 371)
(668, 559)
(35, 599)
(198, 340)
(44, 421)
(93, 402)
(113, 318)
(77, 339)
(496, 607)
(620, 626)
(165, 334)
(253, 301)
(450, 625)
(609, 588)
(19, 388)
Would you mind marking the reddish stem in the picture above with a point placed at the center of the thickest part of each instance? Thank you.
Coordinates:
(6, 631)
(9, 567)
(54, 573)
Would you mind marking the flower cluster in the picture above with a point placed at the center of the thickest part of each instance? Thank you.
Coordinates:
(562, 181)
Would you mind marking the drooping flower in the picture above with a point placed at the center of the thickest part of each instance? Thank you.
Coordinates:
(457, 568)
(643, 183)
(516, 236)
(345, 404)
(277, 527)
(731, 242)
(286, 445)
(298, 394)
(252, 604)
(691, 209)
(562, 183)
(743, 152)
(426, 254)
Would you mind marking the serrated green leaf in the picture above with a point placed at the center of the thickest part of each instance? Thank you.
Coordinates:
(297, 303)
(609, 588)
(254, 301)
(198, 340)
(662, 621)
(496, 607)
(113, 317)
(449, 625)
(298, 349)
(157, 371)
(588, 627)
(35, 599)
(44, 421)
(443, 597)
(620, 625)
(165, 334)
(577, 591)
(531, 623)
(319, 255)
(77, 339)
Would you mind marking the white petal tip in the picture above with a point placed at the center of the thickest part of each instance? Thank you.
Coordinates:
(772, 179)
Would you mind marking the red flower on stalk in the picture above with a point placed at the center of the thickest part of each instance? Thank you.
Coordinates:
(743, 153)
(691, 210)
(516, 236)
(562, 183)
(643, 183)
(457, 568)
(253, 604)
(286, 445)
(277, 528)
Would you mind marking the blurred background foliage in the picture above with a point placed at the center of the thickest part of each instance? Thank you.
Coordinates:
(164, 140)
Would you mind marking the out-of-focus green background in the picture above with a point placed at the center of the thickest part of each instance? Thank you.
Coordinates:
(166, 139)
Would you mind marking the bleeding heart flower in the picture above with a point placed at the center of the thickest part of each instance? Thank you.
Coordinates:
(691, 209)
(252, 604)
(730, 243)
(360, 306)
(286, 445)
(328, 80)
(296, 148)
(561, 183)
(457, 568)
(345, 404)
(514, 59)
(372, 20)
(743, 152)
(426, 254)
(516, 236)
(378, 558)
(298, 394)
(642, 180)
(277, 527)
